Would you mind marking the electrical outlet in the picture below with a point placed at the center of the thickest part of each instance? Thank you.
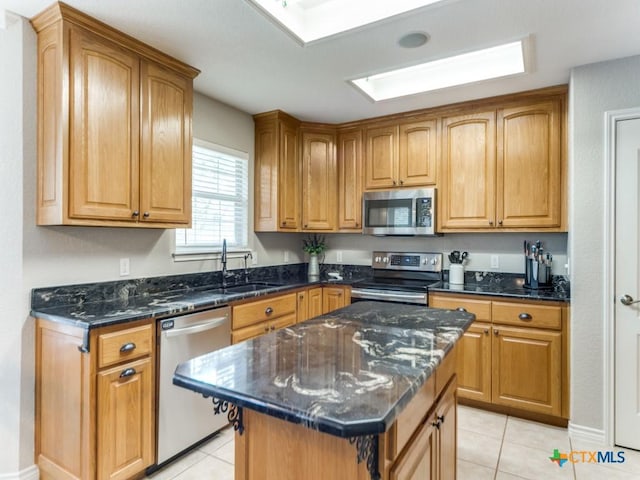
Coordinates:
(286, 256)
(254, 258)
(339, 256)
(124, 267)
(495, 261)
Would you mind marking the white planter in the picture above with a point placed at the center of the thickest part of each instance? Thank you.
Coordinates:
(314, 267)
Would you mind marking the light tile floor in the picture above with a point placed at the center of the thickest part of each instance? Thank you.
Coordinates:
(491, 446)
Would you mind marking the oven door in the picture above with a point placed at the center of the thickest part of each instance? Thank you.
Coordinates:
(395, 296)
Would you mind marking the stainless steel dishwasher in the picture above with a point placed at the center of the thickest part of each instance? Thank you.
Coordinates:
(184, 417)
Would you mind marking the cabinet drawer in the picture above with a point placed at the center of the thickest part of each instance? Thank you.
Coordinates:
(527, 315)
(125, 344)
(480, 308)
(261, 310)
(262, 328)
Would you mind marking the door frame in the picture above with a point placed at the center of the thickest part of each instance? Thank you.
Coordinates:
(611, 119)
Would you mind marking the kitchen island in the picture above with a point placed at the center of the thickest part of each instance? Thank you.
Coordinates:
(367, 391)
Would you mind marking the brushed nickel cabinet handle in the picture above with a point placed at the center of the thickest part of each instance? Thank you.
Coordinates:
(127, 372)
(268, 311)
(525, 317)
(127, 347)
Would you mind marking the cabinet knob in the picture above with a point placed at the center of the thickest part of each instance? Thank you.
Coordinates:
(525, 317)
(401, 182)
(127, 372)
(266, 329)
(394, 182)
(273, 327)
(146, 214)
(301, 297)
(284, 223)
(305, 226)
(499, 222)
(268, 311)
(135, 213)
(461, 309)
(491, 222)
(357, 224)
(486, 331)
(495, 331)
(128, 347)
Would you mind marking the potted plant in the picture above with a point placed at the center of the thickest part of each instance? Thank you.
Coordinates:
(314, 245)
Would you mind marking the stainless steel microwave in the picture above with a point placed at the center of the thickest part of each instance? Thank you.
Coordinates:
(399, 212)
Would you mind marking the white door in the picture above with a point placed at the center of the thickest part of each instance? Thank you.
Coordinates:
(627, 285)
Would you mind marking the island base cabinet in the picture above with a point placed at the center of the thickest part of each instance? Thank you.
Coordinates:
(274, 449)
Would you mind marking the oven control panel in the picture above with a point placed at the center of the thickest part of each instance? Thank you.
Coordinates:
(411, 261)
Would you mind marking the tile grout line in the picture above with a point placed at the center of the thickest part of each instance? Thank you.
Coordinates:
(504, 433)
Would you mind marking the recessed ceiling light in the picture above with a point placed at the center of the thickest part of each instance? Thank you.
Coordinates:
(413, 40)
(311, 20)
(494, 62)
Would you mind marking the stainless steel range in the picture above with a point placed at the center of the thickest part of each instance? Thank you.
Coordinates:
(400, 277)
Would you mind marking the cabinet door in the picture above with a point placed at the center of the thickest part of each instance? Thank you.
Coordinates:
(419, 461)
(527, 369)
(350, 180)
(446, 416)
(266, 176)
(381, 145)
(529, 166)
(302, 308)
(468, 183)
(288, 177)
(333, 298)
(474, 363)
(318, 181)
(104, 129)
(417, 144)
(125, 420)
(315, 302)
(241, 334)
(165, 173)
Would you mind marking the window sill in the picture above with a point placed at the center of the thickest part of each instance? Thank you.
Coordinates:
(196, 256)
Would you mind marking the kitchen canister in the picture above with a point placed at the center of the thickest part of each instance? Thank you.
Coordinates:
(456, 274)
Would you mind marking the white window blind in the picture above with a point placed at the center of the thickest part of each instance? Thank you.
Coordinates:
(220, 199)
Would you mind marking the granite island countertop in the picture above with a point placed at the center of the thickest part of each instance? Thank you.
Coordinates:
(347, 373)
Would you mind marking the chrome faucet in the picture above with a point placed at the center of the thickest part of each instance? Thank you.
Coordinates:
(223, 261)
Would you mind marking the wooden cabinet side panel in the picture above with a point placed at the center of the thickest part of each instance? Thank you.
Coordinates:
(529, 166)
(103, 128)
(350, 176)
(468, 186)
(273, 449)
(52, 144)
(64, 403)
(166, 142)
(126, 419)
(417, 146)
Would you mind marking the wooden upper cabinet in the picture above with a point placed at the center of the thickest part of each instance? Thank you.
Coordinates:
(529, 166)
(167, 99)
(417, 150)
(114, 127)
(319, 185)
(350, 180)
(104, 129)
(468, 180)
(381, 154)
(277, 173)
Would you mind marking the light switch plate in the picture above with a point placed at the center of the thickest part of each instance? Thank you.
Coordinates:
(124, 267)
(495, 261)
(339, 256)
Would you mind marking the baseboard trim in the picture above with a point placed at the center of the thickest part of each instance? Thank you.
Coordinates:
(587, 434)
(29, 473)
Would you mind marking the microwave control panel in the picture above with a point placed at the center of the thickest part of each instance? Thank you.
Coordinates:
(423, 212)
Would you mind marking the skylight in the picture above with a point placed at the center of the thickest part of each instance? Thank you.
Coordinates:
(311, 20)
(475, 66)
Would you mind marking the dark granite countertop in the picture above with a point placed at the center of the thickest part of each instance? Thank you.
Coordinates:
(507, 286)
(347, 373)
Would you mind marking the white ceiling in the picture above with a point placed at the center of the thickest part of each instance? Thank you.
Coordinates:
(249, 63)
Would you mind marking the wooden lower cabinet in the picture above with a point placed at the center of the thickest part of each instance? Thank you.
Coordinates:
(418, 462)
(514, 357)
(335, 297)
(93, 421)
(309, 303)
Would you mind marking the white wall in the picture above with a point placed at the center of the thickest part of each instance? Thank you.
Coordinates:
(595, 89)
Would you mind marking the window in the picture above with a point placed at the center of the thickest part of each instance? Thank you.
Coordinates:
(220, 200)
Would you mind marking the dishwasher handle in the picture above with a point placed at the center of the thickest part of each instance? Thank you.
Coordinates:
(202, 327)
